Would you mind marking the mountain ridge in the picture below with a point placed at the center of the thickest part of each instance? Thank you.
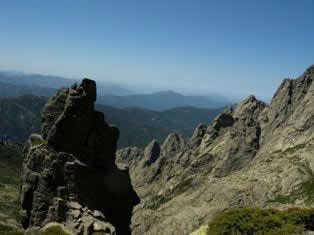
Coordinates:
(19, 117)
(252, 155)
(163, 100)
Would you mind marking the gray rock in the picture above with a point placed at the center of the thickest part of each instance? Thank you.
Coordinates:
(251, 155)
(151, 153)
(71, 178)
(197, 136)
(173, 143)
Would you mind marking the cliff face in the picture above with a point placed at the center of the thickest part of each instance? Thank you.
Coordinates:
(253, 155)
(69, 175)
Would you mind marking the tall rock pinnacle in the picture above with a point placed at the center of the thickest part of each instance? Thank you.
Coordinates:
(69, 176)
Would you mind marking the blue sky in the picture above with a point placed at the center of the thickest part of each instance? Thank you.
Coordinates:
(223, 46)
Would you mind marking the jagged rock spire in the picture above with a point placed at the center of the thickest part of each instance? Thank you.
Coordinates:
(71, 177)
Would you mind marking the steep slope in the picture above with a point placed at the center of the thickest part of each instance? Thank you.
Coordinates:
(255, 155)
(19, 117)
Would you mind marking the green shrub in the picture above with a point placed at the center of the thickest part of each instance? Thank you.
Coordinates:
(54, 230)
(37, 142)
(253, 221)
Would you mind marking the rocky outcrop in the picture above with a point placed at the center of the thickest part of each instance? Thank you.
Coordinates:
(197, 136)
(173, 143)
(251, 155)
(151, 153)
(69, 176)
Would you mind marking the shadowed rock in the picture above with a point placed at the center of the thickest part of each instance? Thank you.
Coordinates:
(71, 177)
(151, 153)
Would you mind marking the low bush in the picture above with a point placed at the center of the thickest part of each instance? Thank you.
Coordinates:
(254, 221)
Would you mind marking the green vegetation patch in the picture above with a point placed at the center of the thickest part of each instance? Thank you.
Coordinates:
(54, 230)
(37, 142)
(284, 199)
(7, 230)
(254, 221)
(307, 187)
(9, 175)
(11, 159)
(10, 167)
(11, 207)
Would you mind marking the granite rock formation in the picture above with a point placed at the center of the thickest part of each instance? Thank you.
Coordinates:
(69, 175)
(251, 155)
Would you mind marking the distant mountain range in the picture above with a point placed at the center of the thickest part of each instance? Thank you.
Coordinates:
(18, 84)
(139, 126)
(164, 100)
(19, 117)
(46, 81)
(12, 90)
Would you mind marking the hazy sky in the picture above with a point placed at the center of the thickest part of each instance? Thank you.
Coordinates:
(229, 47)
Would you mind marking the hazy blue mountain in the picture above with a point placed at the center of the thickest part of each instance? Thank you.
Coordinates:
(19, 117)
(109, 93)
(164, 100)
(11, 90)
(19, 78)
(38, 80)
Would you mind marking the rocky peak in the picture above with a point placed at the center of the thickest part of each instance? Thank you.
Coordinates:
(173, 143)
(151, 153)
(255, 155)
(222, 120)
(310, 70)
(198, 134)
(249, 107)
(70, 124)
(291, 106)
(69, 175)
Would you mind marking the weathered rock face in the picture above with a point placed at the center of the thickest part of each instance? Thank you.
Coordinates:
(197, 136)
(70, 124)
(252, 155)
(70, 176)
